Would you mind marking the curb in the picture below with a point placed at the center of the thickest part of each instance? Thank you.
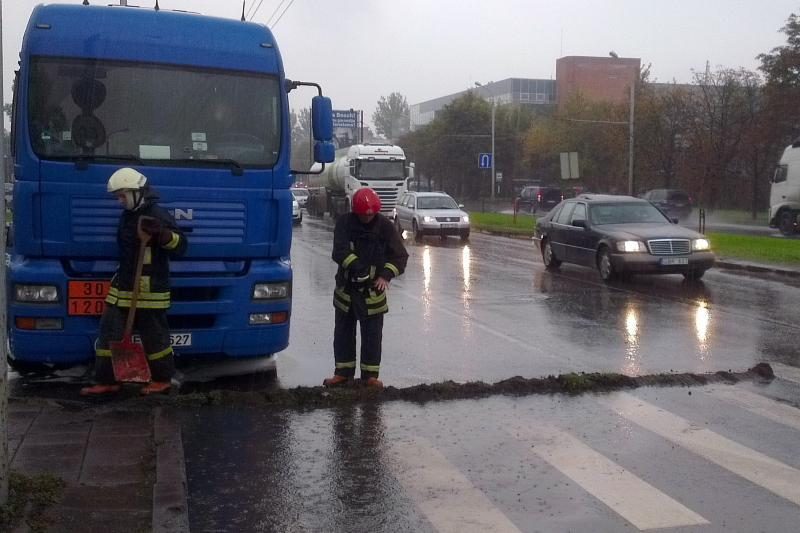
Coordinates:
(516, 236)
(170, 504)
(756, 269)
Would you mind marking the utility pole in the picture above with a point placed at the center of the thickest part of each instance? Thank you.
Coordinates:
(630, 142)
(494, 175)
(4, 471)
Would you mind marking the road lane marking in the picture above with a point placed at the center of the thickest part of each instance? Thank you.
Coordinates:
(450, 502)
(632, 498)
(773, 475)
(786, 372)
(761, 405)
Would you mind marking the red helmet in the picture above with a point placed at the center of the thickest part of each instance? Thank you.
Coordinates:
(366, 202)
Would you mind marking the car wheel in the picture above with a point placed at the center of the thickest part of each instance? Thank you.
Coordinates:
(416, 231)
(694, 275)
(551, 262)
(786, 223)
(397, 226)
(605, 266)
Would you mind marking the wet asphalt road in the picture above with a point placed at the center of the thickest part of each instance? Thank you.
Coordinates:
(488, 310)
(717, 458)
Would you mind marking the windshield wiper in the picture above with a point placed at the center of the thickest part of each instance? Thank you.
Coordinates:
(82, 160)
(236, 168)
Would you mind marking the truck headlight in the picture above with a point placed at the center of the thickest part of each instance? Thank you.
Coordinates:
(699, 245)
(631, 246)
(36, 293)
(271, 291)
(428, 219)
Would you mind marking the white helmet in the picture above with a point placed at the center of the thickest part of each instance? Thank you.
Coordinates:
(126, 179)
(130, 182)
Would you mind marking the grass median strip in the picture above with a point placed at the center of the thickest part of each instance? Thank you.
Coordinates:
(503, 223)
(754, 248)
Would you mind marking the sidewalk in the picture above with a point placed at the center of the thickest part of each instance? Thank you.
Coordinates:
(123, 470)
(758, 268)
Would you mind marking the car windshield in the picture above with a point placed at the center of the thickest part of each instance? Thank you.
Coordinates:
(436, 202)
(633, 213)
(300, 192)
(85, 108)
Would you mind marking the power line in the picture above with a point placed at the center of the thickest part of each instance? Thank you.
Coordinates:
(253, 11)
(280, 4)
(282, 14)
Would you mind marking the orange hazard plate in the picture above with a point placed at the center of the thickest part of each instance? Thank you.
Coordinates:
(87, 298)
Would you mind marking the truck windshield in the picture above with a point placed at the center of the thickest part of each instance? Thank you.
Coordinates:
(157, 113)
(381, 170)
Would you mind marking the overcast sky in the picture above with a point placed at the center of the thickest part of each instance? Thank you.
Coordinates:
(361, 50)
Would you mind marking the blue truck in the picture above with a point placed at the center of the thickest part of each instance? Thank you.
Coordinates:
(200, 106)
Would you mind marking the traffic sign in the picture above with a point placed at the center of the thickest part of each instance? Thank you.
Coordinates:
(484, 160)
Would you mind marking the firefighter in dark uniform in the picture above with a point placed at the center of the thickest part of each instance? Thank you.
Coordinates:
(369, 252)
(139, 200)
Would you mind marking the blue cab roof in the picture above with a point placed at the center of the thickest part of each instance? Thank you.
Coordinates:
(146, 35)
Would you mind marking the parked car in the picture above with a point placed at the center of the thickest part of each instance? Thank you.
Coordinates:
(535, 198)
(431, 213)
(620, 235)
(301, 195)
(297, 214)
(675, 203)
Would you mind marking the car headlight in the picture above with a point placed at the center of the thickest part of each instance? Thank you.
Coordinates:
(271, 291)
(36, 293)
(465, 219)
(631, 246)
(699, 245)
(428, 219)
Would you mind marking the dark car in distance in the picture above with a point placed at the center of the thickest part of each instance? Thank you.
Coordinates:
(619, 236)
(539, 198)
(675, 203)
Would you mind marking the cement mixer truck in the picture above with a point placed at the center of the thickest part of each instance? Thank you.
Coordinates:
(381, 167)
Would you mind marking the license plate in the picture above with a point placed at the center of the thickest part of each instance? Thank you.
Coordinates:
(86, 298)
(176, 339)
(668, 261)
(448, 226)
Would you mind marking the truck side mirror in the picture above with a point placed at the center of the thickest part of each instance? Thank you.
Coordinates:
(322, 127)
(410, 170)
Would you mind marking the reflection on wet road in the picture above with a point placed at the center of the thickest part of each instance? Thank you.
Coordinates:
(488, 310)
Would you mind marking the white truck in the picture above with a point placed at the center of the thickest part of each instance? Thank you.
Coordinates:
(382, 167)
(784, 196)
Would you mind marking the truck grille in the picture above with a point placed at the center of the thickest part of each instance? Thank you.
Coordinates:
(388, 196)
(669, 246)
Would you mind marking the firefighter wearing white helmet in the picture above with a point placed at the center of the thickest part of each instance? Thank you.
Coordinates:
(165, 240)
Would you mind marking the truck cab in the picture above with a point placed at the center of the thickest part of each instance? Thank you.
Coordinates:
(784, 196)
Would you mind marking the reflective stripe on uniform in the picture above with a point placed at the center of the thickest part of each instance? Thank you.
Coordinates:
(148, 256)
(349, 364)
(144, 285)
(140, 304)
(159, 355)
(341, 300)
(376, 303)
(102, 353)
(394, 269)
(349, 260)
(370, 368)
(173, 243)
(143, 295)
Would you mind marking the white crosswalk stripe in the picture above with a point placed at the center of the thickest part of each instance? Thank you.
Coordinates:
(635, 500)
(786, 372)
(450, 502)
(773, 475)
(760, 405)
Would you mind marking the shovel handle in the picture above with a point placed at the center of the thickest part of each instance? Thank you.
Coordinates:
(144, 240)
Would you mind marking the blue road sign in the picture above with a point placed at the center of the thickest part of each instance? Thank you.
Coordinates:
(345, 119)
(484, 160)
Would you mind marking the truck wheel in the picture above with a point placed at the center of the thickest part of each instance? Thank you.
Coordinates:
(786, 222)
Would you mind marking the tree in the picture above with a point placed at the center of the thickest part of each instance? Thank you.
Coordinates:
(392, 118)
(301, 139)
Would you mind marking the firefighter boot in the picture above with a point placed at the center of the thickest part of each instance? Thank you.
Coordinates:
(155, 387)
(374, 383)
(335, 381)
(100, 389)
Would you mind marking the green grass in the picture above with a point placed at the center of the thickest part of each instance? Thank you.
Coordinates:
(758, 249)
(736, 216)
(501, 223)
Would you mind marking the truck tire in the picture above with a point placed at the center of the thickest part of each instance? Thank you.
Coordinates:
(786, 222)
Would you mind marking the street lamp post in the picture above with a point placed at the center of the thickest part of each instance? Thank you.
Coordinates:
(478, 84)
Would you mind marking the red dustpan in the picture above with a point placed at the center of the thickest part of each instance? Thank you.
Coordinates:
(127, 357)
